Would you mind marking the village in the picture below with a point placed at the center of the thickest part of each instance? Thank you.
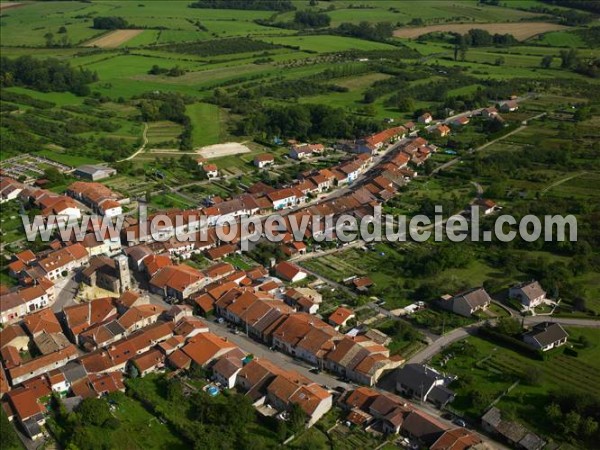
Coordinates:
(90, 313)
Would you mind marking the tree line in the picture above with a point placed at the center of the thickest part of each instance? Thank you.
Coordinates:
(46, 75)
(259, 5)
(219, 47)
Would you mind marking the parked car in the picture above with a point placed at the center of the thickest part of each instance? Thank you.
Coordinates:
(459, 422)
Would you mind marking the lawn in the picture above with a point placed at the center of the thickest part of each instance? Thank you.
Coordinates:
(207, 124)
(141, 428)
(163, 134)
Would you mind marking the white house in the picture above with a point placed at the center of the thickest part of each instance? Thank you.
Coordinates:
(263, 160)
(546, 336)
(210, 170)
(110, 208)
(466, 303)
(425, 118)
(529, 293)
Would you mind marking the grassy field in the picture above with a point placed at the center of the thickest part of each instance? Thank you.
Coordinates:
(326, 44)
(207, 124)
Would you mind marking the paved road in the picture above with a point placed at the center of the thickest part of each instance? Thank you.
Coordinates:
(282, 360)
(65, 291)
(461, 333)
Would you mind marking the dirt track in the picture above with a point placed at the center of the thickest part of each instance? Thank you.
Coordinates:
(113, 39)
(520, 30)
(7, 5)
(220, 150)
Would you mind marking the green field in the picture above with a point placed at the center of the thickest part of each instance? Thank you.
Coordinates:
(207, 124)
(490, 368)
(327, 44)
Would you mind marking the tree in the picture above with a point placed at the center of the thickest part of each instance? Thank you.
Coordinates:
(297, 418)
(568, 58)
(546, 62)
(571, 422)
(62, 30)
(405, 104)
(500, 61)
(554, 413)
(509, 326)
(93, 411)
(589, 427)
(49, 39)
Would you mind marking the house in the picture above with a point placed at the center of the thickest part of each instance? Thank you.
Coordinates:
(489, 113)
(466, 303)
(148, 362)
(301, 151)
(425, 118)
(285, 198)
(530, 293)
(456, 439)
(423, 382)
(440, 130)
(141, 316)
(486, 206)
(43, 321)
(263, 160)
(509, 106)
(210, 170)
(514, 433)
(303, 299)
(378, 140)
(290, 388)
(340, 317)
(289, 272)
(546, 336)
(226, 369)
(362, 284)
(26, 407)
(461, 121)
(9, 189)
(93, 194)
(14, 336)
(60, 262)
(423, 428)
(42, 364)
(177, 281)
(17, 304)
(80, 317)
(204, 348)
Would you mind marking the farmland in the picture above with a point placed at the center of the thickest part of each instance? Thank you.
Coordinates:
(490, 368)
(148, 87)
(521, 31)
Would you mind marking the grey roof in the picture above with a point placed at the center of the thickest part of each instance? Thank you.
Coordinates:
(423, 427)
(547, 333)
(417, 377)
(92, 169)
(72, 402)
(475, 297)
(493, 416)
(73, 372)
(531, 289)
(511, 430)
(115, 328)
(532, 442)
(441, 395)
(32, 426)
